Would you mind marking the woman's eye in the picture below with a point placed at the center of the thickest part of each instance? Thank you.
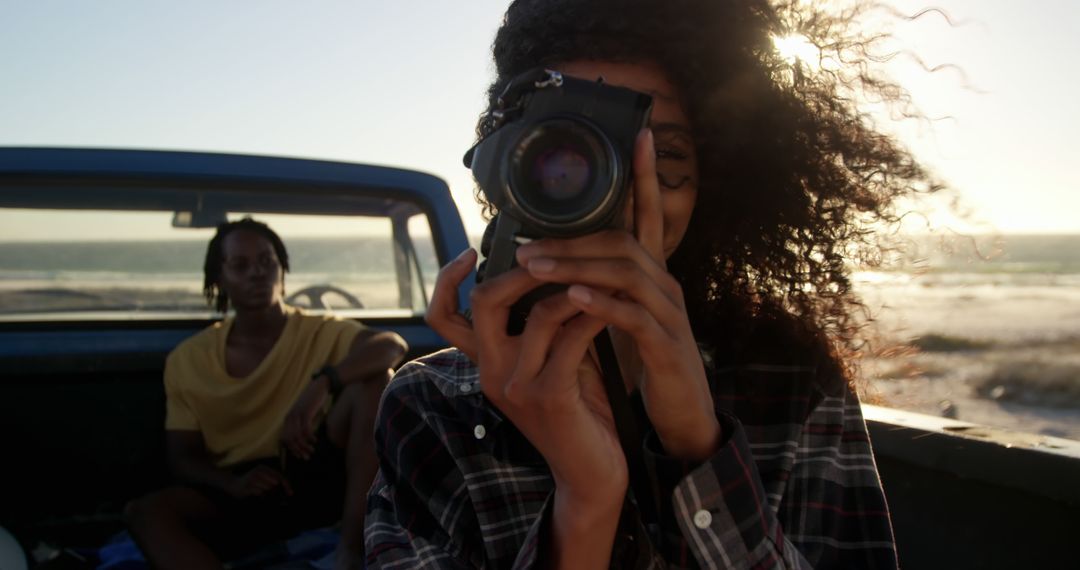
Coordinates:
(672, 180)
(673, 169)
(671, 154)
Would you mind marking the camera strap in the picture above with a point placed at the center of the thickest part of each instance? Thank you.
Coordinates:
(509, 104)
(629, 428)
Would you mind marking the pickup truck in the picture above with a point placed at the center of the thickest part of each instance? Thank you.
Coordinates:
(100, 277)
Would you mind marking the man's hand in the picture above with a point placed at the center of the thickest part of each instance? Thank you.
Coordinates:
(298, 433)
(257, 482)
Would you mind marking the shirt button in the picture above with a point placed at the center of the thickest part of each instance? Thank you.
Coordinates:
(703, 519)
(465, 388)
(479, 431)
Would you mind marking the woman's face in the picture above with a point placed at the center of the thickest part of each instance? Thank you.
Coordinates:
(676, 156)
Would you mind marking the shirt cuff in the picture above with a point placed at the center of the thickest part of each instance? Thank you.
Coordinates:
(537, 538)
(717, 504)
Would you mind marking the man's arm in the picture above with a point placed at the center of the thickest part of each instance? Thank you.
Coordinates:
(371, 354)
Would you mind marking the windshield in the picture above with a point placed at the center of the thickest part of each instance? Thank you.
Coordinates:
(94, 263)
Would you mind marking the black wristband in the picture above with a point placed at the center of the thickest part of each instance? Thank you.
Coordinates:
(331, 374)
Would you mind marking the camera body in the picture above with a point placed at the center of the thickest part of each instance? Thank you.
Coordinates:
(559, 164)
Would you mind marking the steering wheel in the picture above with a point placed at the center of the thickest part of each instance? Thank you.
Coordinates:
(314, 294)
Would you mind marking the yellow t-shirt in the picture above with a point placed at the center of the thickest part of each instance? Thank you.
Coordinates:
(240, 418)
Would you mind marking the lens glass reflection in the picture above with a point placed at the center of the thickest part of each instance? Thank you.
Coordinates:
(561, 173)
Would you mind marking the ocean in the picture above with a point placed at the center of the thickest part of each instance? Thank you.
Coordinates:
(924, 288)
(1004, 288)
(168, 275)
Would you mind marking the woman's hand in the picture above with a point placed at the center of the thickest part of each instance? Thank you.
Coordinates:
(544, 382)
(443, 313)
(298, 432)
(646, 306)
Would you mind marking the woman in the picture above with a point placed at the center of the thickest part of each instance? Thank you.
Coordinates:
(728, 301)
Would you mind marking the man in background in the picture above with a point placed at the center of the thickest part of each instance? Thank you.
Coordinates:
(269, 416)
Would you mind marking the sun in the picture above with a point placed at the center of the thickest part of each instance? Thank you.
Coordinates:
(797, 49)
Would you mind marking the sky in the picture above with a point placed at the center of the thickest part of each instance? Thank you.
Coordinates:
(401, 83)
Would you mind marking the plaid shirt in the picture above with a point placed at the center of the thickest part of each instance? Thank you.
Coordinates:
(794, 485)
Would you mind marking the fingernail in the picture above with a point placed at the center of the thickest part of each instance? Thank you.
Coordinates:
(580, 294)
(461, 256)
(652, 143)
(541, 265)
(524, 251)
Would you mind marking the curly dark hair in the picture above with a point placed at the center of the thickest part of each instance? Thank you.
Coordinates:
(793, 175)
(215, 256)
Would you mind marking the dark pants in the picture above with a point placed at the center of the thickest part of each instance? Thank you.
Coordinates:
(318, 486)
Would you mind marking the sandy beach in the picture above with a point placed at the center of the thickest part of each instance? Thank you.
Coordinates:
(1005, 354)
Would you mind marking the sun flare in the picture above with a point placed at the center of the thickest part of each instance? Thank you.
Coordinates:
(797, 48)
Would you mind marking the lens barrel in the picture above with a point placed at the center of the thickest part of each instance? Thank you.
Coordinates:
(562, 172)
(560, 161)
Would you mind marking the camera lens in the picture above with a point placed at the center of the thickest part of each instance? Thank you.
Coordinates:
(562, 174)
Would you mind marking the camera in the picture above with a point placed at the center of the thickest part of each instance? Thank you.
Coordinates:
(558, 164)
